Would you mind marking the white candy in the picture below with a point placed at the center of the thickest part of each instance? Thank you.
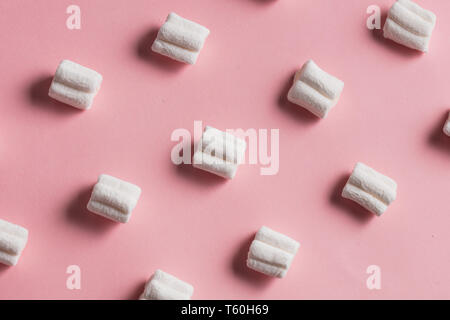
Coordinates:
(113, 198)
(370, 189)
(75, 85)
(163, 286)
(13, 239)
(272, 253)
(315, 90)
(219, 152)
(180, 39)
(410, 25)
(447, 126)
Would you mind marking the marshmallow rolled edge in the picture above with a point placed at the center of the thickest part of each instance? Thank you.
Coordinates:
(410, 25)
(180, 39)
(13, 239)
(447, 126)
(370, 189)
(219, 153)
(75, 85)
(315, 90)
(164, 286)
(114, 198)
(271, 253)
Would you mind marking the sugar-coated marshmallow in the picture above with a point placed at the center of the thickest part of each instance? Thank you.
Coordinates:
(370, 189)
(180, 39)
(13, 239)
(75, 85)
(163, 286)
(219, 152)
(410, 25)
(447, 126)
(315, 90)
(271, 253)
(113, 198)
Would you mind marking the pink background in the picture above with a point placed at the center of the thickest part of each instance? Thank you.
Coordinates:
(196, 225)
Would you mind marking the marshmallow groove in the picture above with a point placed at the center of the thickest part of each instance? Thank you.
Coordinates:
(271, 253)
(370, 189)
(163, 286)
(180, 39)
(13, 239)
(447, 126)
(315, 90)
(113, 198)
(219, 152)
(75, 85)
(410, 25)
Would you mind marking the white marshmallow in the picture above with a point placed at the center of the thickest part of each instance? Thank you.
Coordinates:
(113, 198)
(370, 189)
(180, 39)
(410, 25)
(219, 152)
(315, 90)
(13, 239)
(163, 286)
(272, 253)
(447, 126)
(75, 85)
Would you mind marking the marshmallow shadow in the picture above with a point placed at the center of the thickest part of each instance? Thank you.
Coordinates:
(240, 269)
(144, 52)
(377, 35)
(78, 214)
(38, 96)
(348, 206)
(291, 109)
(438, 139)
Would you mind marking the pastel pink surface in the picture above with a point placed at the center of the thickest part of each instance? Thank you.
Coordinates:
(194, 225)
